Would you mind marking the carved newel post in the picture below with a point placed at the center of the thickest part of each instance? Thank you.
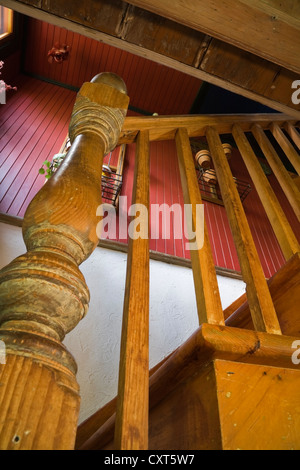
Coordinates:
(43, 294)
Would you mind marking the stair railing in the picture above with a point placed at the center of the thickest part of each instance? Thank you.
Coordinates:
(43, 294)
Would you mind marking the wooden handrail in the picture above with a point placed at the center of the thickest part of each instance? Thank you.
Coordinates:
(165, 127)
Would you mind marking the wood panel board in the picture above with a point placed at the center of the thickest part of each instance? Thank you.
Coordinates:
(104, 15)
(248, 24)
(163, 36)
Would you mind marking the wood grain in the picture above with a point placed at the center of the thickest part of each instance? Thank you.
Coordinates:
(261, 306)
(288, 185)
(285, 235)
(253, 26)
(165, 127)
(133, 403)
(293, 133)
(285, 291)
(43, 294)
(178, 381)
(205, 280)
(287, 147)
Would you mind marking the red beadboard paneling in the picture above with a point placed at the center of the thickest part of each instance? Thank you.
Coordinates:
(165, 187)
(152, 87)
(33, 126)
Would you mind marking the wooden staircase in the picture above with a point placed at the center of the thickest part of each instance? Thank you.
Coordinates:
(233, 384)
(228, 367)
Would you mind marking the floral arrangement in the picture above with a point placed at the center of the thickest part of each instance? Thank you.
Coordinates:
(58, 53)
(3, 86)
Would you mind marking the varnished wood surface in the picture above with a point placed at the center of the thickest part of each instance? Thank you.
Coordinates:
(289, 187)
(285, 291)
(284, 233)
(43, 294)
(287, 147)
(258, 406)
(189, 362)
(260, 301)
(205, 280)
(293, 133)
(226, 406)
(131, 431)
(261, 23)
(165, 127)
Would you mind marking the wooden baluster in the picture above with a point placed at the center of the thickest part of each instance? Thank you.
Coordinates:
(293, 133)
(43, 295)
(259, 298)
(131, 431)
(205, 280)
(288, 185)
(285, 235)
(287, 147)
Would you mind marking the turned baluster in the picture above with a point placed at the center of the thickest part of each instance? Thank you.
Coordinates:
(43, 294)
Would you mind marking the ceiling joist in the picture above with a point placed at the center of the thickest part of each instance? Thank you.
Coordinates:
(182, 47)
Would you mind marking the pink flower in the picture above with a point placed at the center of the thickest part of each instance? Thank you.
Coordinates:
(3, 86)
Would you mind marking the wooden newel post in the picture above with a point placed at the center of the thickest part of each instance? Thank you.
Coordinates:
(43, 294)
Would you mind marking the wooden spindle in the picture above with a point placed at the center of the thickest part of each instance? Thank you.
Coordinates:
(282, 229)
(205, 280)
(288, 185)
(131, 431)
(43, 295)
(287, 147)
(293, 133)
(259, 298)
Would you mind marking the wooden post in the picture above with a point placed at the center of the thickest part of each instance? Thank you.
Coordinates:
(205, 280)
(43, 295)
(288, 185)
(293, 133)
(284, 233)
(259, 298)
(287, 147)
(131, 431)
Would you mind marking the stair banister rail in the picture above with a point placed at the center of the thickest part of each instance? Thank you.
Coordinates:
(43, 294)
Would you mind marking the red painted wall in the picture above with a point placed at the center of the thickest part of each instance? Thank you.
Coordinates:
(165, 187)
(152, 87)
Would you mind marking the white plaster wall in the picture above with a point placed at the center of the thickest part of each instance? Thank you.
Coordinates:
(95, 343)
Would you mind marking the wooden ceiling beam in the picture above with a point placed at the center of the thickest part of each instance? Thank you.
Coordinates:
(169, 44)
(261, 27)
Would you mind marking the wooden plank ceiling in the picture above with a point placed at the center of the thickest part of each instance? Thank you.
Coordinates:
(249, 47)
(153, 88)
